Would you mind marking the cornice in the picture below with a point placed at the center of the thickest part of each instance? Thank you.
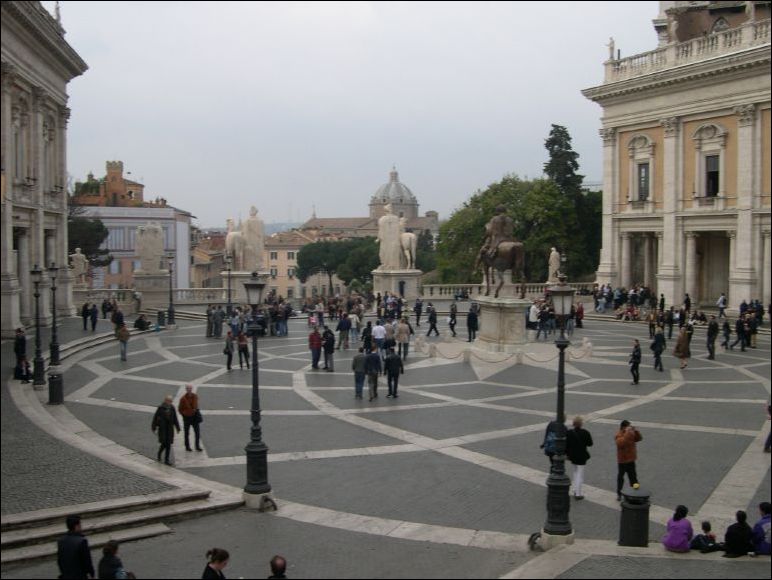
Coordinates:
(746, 62)
(35, 21)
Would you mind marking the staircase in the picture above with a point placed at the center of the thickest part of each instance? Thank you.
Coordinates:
(33, 535)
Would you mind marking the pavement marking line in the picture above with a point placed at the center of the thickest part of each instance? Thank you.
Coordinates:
(739, 486)
(415, 531)
(550, 564)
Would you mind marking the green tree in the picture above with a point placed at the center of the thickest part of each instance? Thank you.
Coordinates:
(563, 162)
(316, 258)
(348, 259)
(88, 234)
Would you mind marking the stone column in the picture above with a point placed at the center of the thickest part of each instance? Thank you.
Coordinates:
(647, 260)
(669, 274)
(607, 268)
(743, 280)
(691, 266)
(659, 250)
(23, 268)
(767, 277)
(625, 279)
(64, 299)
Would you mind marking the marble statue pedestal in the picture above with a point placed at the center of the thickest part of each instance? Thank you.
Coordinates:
(404, 283)
(154, 289)
(238, 292)
(502, 323)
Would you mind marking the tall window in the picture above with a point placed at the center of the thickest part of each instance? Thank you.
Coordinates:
(712, 175)
(643, 181)
(274, 272)
(290, 272)
(290, 255)
(274, 255)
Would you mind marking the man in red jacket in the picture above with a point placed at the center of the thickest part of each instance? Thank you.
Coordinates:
(315, 344)
(626, 439)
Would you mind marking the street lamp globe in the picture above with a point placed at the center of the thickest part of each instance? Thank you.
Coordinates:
(254, 288)
(562, 297)
(36, 274)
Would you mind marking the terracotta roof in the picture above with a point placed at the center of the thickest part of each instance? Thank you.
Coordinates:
(290, 238)
(339, 223)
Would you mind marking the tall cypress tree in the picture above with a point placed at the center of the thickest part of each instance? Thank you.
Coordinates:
(563, 163)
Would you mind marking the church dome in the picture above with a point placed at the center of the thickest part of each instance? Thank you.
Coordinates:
(394, 191)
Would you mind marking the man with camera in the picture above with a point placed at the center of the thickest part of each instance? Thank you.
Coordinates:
(626, 439)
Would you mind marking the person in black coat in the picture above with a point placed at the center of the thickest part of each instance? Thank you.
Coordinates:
(635, 361)
(392, 368)
(110, 566)
(328, 345)
(94, 317)
(432, 314)
(73, 554)
(85, 312)
(658, 346)
(577, 442)
(738, 540)
(20, 345)
(471, 324)
(165, 421)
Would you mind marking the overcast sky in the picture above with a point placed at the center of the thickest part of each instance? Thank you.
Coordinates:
(219, 106)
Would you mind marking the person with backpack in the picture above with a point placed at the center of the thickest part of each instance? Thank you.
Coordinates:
(549, 445)
(578, 440)
(328, 344)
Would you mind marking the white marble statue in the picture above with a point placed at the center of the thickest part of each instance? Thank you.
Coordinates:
(79, 266)
(554, 266)
(150, 248)
(408, 243)
(234, 246)
(253, 234)
(389, 232)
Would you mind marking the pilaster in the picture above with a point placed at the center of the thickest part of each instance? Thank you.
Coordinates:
(607, 268)
(767, 274)
(691, 266)
(669, 277)
(625, 259)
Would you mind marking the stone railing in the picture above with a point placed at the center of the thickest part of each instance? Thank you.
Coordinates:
(677, 54)
(201, 295)
(451, 291)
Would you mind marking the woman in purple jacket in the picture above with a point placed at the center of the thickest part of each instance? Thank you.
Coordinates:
(679, 531)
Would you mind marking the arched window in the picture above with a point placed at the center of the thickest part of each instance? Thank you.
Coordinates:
(719, 25)
(640, 150)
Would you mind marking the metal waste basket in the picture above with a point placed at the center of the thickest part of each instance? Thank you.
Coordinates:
(634, 523)
(55, 389)
(161, 318)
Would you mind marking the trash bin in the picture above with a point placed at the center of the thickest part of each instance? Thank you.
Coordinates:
(55, 389)
(161, 318)
(634, 523)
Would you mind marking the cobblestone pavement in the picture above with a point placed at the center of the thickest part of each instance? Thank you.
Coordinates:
(455, 460)
(40, 472)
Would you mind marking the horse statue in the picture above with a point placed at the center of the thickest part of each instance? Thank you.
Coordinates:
(235, 245)
(408, 242)
(509, 256)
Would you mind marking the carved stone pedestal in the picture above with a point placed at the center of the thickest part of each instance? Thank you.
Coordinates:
(404, 283)
(502, 323)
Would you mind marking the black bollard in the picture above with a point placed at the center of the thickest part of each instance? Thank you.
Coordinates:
(634, 523)
(55, 389)
(161, 318)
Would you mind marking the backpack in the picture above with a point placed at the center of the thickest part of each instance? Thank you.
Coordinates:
(549, 443)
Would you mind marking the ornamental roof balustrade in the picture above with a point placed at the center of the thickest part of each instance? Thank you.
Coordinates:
(749, 35)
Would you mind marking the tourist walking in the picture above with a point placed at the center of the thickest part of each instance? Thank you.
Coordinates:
(373, 370)
(682, 350)
(343, 329)
(110, 566)
(418, 309)
(219, 318)
(721, 303)
(726, 331)
(191, 416)
(165, 422)
(712, 335)
(94, 317)
(635, 361)
(452, 318)
(218, 559)
(358, 366)
(739, 328)
(658, 346)
(243, 346)
(210, 321)
(626, 440)
(85, 313)
(431, 313)
(679, 531)
(670, 321)
(471, 324)
(123, 336)
(328, 344)
(404, 330)
(72, 552)
(315, 346)
(20, 346)
(228, 350)
(379, 335)
(393, 367)
(578, 440)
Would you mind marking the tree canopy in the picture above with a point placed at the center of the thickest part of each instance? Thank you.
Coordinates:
(352, 259)
(88, 234)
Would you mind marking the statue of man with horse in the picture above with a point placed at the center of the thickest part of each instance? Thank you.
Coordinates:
(501, 252)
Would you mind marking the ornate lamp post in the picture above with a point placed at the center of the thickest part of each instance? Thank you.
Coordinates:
(257, 452)
(558, 503)
(39, 365)
(228, 268)
(170, 314)
(54, 347)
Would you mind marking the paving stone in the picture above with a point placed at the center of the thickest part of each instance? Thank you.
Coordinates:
(219, 398)
(138, 392)
(699, 413)
(747, 390)
(611, 567)
(175, 371)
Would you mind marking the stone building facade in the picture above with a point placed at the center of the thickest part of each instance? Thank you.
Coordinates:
(686, 142)
(37, 65)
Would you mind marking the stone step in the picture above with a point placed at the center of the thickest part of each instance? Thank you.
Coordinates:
(114, 521)
(50, 516)
(49, 549)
